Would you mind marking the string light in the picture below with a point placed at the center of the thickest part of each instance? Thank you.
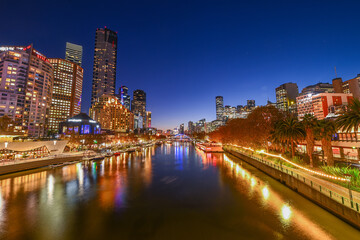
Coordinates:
(296, 165)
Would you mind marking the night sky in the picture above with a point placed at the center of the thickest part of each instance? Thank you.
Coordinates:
(184, 53)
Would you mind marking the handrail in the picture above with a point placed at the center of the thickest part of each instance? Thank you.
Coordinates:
(315, 185)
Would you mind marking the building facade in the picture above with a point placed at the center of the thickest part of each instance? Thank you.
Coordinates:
(104, 69)
(124, 96)
(26, 82)
(148, 119)
(112, 115)
(350, 86)
(219, 107)
(318, 88)
(80, 124)
(286, 97)
(67, 90)
(138, 104)
(73, 53)
(322, 105)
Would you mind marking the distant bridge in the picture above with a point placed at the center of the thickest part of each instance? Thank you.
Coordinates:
(181, 138)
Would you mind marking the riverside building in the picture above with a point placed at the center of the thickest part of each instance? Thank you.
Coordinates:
(112, 115)
(138, 105)
(26, 82)
(219, 100)
(104, 69)
(67, 90)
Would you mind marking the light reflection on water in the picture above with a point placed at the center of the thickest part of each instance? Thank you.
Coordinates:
(166, 192)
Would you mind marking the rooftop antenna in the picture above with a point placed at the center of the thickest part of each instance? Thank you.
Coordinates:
(335, 72)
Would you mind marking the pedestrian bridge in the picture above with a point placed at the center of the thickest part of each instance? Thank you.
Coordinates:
(181, 138)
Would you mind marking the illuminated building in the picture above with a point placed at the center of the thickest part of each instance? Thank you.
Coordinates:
(148, 119)
(286, 97)
(26, 82)
(318, 88)
(73, 53)
(80, 124)
(350, 86)
(125, 97)
(182, 129)
(138, 104)
(322, 105)
(104, 69)
(67, 90)
(112, 115)
(191, 127)
(219, 107)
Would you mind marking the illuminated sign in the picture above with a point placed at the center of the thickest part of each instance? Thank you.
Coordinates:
(74, 120)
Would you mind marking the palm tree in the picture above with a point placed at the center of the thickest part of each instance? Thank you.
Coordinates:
(350, 120)
(290, 130)
(309, 123)
(325, 130)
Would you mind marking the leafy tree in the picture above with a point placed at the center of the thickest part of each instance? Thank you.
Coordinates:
(350, 120)
(291, 131)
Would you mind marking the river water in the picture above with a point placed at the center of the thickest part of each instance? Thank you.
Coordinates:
(165, 192)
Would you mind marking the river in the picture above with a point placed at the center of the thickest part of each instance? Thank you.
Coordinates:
(166, 192)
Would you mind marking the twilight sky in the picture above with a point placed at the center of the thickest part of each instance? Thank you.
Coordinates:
(184, 53)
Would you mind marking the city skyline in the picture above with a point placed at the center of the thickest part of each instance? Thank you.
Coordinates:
(228, 50)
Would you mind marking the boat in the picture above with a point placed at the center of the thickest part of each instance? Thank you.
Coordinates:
(97, 158)
(210, 147)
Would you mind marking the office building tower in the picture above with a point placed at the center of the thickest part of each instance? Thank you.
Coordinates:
(104, 69)
(286, 96)
(26, 82)
(125, 97)
(138, 104)
(182, 129)
(219, 107)
(191, 127)
(350, 86)
(148, 119)
(67, 90)
(73, 53)
(112, 115)
(318, 88)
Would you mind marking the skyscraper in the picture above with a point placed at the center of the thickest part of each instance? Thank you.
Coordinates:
(125, 97)
(104, 69)
(148, 119)
(286, 96)
(67, 90)
(26, 89)
(219, 107)
(138, 104)
(73, 53)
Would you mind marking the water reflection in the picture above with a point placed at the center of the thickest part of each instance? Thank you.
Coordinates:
(168, 192)
(272, 201)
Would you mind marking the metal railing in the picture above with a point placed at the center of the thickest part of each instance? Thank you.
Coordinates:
(313, 184)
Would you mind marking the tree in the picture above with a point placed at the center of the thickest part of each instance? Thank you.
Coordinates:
(309, 122)
(325, 130)
(350, 120)
(291, 131)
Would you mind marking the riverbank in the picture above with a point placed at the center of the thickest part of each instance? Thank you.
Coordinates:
(327, 195)
(23, 165)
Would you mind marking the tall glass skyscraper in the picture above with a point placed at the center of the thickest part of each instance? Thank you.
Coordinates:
(138, 104)
(104, 69)
(73, 53)
(219, 107)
